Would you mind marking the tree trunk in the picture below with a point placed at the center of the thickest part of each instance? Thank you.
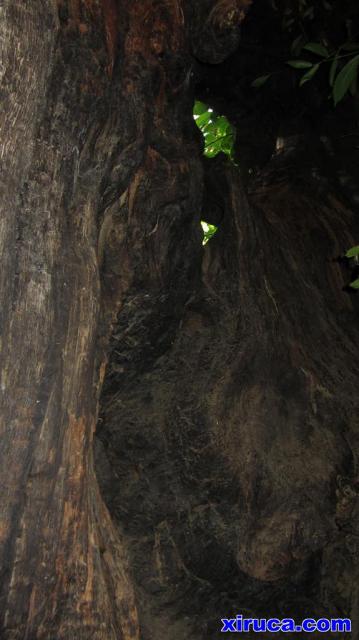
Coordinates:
(100, 178)
(231, 459)
(226, 377)
(63, 563)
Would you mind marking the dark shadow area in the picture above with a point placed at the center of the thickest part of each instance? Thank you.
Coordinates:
(227, 442)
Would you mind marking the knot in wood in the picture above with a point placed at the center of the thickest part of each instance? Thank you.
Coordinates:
(228, 14)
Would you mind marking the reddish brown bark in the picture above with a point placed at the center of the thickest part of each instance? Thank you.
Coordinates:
(228, 411)
(99, 175)
(62, 560)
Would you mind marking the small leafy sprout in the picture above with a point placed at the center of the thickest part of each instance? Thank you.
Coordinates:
(353, 253)
(218, 133)
(208, 231)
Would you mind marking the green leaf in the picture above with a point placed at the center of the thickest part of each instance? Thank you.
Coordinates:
(222, 123)
(351, 253)
(350, 46)
(354, 86)
(215, 147)
(316, 47)
(300, 64)
(344, 79)
(206, 130)
(333, 70)
(202, 120)
(199, 108)
(209, 138)
(309, 75)
(259, 82)
(297, 45)
(218, 133)
(355, 284)
(208, 231)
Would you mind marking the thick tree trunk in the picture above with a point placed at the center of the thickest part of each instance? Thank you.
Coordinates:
(62, 560)
(227, 449)
(101, 190)
(234, 454)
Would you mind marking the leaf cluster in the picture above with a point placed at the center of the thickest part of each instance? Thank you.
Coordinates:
(307, 24)
(218, 133)
(343, 72)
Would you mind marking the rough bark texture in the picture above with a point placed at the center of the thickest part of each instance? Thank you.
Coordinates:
(232, 456)
(98, 168)
(227, 449)
(62, 559)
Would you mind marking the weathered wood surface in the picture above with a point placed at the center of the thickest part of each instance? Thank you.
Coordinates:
(63, 565)
(228, 448)
(100, 195)
(232, 453)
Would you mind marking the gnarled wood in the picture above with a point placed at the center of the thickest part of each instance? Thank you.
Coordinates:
(234, 452)
(63, 563)
(101, 189)
(227, 439)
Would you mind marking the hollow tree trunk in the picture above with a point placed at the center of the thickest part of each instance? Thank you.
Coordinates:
(101, 191)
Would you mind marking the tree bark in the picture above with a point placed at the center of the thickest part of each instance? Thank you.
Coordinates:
(101, 189)
(63, 563)
(232, 457)
(227, 439)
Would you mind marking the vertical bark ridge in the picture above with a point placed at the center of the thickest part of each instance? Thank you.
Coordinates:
(102, 195)
(64, 570)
